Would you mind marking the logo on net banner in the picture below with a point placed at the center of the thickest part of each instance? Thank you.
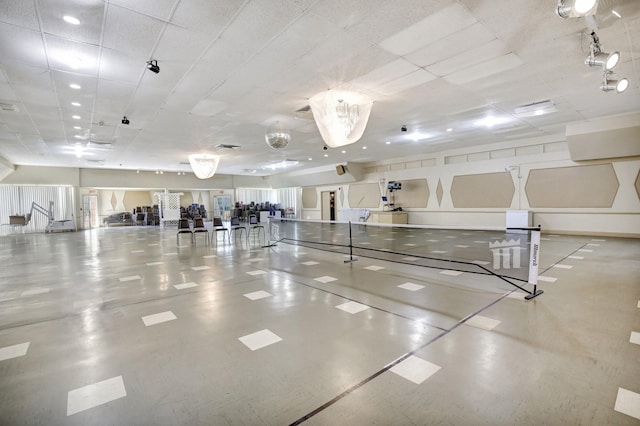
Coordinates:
(506, 254)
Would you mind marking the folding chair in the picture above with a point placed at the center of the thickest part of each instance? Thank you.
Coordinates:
(183, 228)
(235, 227)
(254, 225)
(217, 227)
(199, 228)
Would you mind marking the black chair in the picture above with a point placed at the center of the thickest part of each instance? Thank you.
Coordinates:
(217, 227)
(183, 228)
(235, 227)
(199, 228)
(254, 225)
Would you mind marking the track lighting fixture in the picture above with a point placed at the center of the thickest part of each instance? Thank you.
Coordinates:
(125, 120)
(610, 85)
(576, 8)
(152, 65)
(598, 58)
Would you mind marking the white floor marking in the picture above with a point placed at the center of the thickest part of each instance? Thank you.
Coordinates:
(96, 394)
(586, 250)
(154, 244)
(576, 257)
(547, 279)
(185, 285)
(438, 251)
(389, 239)
(209, 256)
(452, 273)
(593, 245)
(137, 251)
(131, 278)
(411, 286)
(310, 263)
(638, 304)
(325, 279)
(255, 259)
(480, 242)
(598, 240)
(628, 402)
(415, 369)
(254, 273)
(201, 268)
(480, 262)
(260, 339)
(158, 318)
(374, 267)
(352, 307)
(256, 295)
(14, 351)
(433, 241)
(410, 259)
(155, 263)
(462, 246)
(35, 291)
(410, 245)
(635, 338)
(561, 266)
(484, 323)
(171, 254)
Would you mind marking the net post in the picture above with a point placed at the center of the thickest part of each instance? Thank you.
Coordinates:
(534, 260)
(269, 236)
(351, 259)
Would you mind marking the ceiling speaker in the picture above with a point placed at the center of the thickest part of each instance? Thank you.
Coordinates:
(340, 169)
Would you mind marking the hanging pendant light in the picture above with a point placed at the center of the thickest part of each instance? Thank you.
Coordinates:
(277, 137)
(341, 116)
(204, 165)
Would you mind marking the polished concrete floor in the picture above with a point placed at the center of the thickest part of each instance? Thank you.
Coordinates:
(127, 326)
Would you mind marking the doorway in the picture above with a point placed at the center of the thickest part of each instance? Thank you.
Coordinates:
(328, 205)
(90, 218)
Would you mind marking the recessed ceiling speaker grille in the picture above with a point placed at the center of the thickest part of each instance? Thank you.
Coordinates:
(8, 107)
(227, 146)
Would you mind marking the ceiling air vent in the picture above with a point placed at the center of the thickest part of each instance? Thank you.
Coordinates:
(226, 146)
(95, 162)
(6, 107)
(103, 145)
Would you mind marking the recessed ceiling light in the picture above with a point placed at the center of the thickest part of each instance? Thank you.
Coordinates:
(343, 151)
(76, 104)
(71, 19)
(364, 147)
(491, 121)
(78, 136)
(449, 129)
(388, 142)
(326, 155)
(310, 159)
(77, 127)
(76, 117)
(75, 86)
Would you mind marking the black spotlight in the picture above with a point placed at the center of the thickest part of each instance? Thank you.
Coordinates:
(152, 65)
(125, 120)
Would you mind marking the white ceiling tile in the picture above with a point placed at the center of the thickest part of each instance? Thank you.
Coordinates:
(385, 73)
(485, 69)
(409, 81)
(21, 45)
(36, 96)
(20, 14)
(121, 66)
(341, 14)
(157, 8)
(208, 107)
(177, 45)
(7, 94)
(72, 56)
(452, 45)
(208, 16)
(131, 32)
(434, 27)
(471, 57)
(90, 13)
(26, 75)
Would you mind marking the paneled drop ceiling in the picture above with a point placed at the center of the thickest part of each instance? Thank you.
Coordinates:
(231, 68)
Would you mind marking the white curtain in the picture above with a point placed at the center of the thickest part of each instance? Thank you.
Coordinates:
(288, 198)
(17, 200)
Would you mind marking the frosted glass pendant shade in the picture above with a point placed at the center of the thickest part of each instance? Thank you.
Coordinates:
(204, 165)
(340, 116)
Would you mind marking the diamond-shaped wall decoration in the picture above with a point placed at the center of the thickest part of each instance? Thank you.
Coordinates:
(439, 192)
(638, 184)
(113, 201)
